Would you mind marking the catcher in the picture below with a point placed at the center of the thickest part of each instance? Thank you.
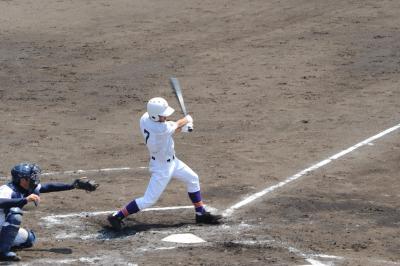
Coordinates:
(25, 187)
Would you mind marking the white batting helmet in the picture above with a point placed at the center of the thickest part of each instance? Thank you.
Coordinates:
(158, 107)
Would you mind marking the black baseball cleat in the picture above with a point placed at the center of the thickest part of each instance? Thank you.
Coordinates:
(9, 256)
(115, 222)
(208, 218)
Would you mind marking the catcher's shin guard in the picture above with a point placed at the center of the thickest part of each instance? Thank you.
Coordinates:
(115, 222)
(7, 236)
(30, 240)
(208, 218)
(9, 231)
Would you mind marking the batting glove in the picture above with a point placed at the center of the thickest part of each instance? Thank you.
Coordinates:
(187, 128)
(189, 118)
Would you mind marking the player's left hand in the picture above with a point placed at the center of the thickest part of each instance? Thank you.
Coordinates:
(187, 128)
(85, 184)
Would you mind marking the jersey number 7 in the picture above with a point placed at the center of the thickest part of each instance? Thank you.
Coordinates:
(147, 133)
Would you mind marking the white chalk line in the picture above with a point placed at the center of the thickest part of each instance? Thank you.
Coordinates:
(56, 219)
(85, 260)
(314, 167)
(313, 259)
(79, 171)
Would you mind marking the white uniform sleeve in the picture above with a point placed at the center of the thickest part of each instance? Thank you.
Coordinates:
(171, 126)
(5, 192)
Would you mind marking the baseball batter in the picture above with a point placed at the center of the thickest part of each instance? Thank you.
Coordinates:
(158, 134)
(25, 187)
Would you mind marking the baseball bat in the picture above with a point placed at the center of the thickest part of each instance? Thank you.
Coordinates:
(178, 93)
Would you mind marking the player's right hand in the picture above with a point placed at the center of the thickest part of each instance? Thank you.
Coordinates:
(189, 119)
(34, 198)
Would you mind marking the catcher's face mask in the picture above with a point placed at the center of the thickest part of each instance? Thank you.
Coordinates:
(34, 179)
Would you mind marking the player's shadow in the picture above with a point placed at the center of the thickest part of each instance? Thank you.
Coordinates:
(51, 250)
(107, 232)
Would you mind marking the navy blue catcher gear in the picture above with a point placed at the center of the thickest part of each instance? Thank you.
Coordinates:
(29, 171)
(29, 241)
(9, 232)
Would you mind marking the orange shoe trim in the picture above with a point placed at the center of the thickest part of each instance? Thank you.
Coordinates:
(198, 204)
(125, 212)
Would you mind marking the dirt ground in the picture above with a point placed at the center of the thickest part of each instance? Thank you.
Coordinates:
(274, 87)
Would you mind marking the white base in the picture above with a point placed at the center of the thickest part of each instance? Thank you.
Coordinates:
(183, 238)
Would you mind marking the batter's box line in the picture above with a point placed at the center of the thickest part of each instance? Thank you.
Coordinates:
(58, 218)
(81, 261)
(90, 171)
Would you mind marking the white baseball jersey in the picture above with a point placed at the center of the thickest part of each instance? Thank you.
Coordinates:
(5, 193)
(163, 164)
(158, 137)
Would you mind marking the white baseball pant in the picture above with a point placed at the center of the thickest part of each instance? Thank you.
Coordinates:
(161, 174)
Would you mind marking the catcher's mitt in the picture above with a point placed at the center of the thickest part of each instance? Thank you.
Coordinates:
(85, 184)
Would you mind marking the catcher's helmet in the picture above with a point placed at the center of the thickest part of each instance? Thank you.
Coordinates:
(29, 171)
(158, 107)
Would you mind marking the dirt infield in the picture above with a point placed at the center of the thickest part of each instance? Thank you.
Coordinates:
(274, 87)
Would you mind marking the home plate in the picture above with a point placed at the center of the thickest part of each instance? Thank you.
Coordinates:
(183, 238)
